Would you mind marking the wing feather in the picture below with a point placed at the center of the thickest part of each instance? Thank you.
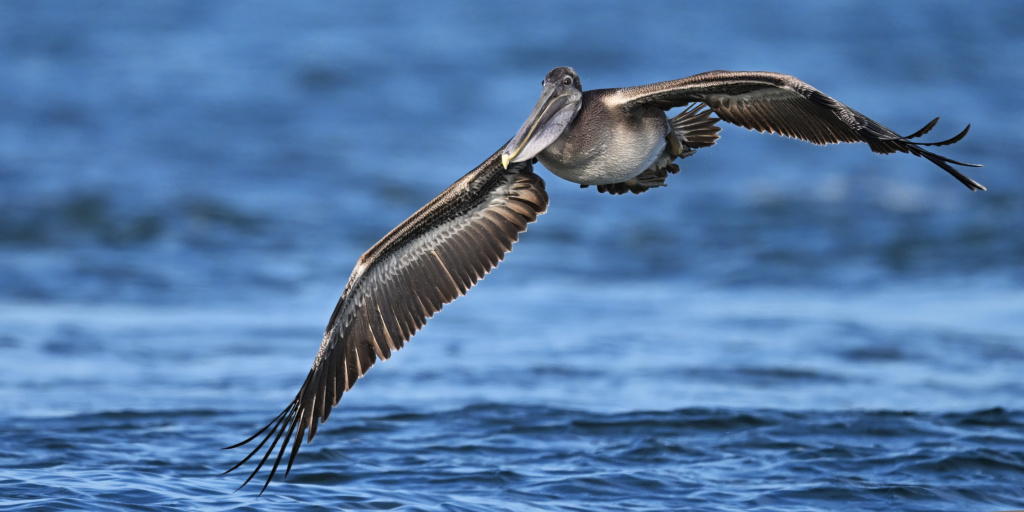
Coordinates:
(782, 104)
(429, 260)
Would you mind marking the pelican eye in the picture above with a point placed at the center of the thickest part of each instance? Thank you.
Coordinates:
(567, 80)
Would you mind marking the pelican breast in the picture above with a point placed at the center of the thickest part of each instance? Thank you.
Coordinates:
(607, 143)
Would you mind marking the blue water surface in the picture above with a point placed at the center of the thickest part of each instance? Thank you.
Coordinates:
(185, 187)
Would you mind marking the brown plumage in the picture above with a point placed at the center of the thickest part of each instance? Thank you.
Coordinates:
(429, 260)
(617, 139)
(778, 103)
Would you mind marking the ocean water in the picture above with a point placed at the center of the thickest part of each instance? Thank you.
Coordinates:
(185, 187)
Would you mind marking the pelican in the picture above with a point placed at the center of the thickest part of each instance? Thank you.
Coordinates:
(619, 140)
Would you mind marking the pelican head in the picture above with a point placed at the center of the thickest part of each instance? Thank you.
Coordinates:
(560, 101)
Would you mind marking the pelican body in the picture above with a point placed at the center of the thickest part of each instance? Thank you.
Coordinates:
(594, 138)
(619, 140)
(623, 137)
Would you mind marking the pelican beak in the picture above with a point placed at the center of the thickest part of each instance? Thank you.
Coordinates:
(554, 111)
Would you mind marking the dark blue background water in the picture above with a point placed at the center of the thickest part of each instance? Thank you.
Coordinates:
(185, 186)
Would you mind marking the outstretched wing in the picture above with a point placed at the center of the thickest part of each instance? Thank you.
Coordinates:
(778, 103)
(429, 260)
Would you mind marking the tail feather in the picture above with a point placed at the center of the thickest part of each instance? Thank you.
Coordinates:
(695, 126)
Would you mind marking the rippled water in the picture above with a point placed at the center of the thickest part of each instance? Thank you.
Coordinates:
(505, 457)
(184, 188)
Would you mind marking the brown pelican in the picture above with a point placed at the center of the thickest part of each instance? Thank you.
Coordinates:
(617, 139)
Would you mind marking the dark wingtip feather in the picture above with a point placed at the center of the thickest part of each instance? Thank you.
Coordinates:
(883, 140)
(944, 163)
(952, 140)
(286, 420)
(927, 128)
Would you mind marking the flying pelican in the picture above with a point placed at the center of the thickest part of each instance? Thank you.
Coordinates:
(619, 140)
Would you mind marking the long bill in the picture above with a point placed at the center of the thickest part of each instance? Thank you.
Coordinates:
(555, 109)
